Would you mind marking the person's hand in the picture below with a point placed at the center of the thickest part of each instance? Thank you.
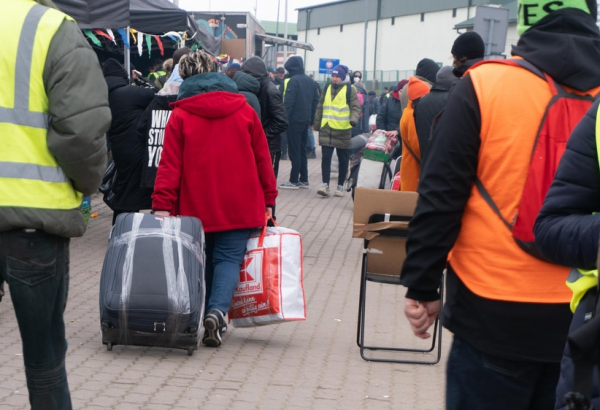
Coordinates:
(162, 213)
(135, 74)
(353, 123)
(421, 315)
(270, 211)
(390, 134)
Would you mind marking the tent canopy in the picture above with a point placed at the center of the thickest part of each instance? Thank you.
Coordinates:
(96, 14)
(157, 16)
(147, 16)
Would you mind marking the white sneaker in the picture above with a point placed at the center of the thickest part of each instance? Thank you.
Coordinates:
(324, 190)
(339, 191)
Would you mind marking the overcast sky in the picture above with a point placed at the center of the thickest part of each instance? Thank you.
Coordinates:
(267, 9)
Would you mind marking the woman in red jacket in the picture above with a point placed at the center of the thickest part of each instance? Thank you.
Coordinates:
(215, 166)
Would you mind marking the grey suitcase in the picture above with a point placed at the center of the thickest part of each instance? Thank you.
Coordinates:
(152, 285)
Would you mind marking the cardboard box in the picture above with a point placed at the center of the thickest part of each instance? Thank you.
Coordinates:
(235, 48)
(386, 254)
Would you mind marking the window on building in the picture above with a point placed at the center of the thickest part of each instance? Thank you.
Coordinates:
(422, 16)
(453, 12)
(393, 21)
(318, 32)
(341, 28)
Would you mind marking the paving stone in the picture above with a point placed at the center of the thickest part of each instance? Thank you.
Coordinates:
(305, 365)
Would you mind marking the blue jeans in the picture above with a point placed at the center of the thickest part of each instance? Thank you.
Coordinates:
(310, 143)
(476, 380)
(224, 256)
(35, 265)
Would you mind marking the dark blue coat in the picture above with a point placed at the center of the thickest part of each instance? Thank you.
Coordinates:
(566, 231)
(301, 96)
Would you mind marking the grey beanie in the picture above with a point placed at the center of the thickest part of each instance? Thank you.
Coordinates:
(444, 77)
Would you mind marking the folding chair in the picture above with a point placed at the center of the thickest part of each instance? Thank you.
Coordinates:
(385, 236)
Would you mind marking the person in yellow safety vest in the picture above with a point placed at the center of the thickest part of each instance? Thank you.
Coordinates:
(284, 140)
(338, 111)
(155, 71)
(300, 102)
(53, 116)
(567, 230)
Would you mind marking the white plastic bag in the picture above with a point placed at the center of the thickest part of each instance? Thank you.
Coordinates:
(270, 290)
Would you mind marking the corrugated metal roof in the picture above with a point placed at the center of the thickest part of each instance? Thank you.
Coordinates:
(353, 11)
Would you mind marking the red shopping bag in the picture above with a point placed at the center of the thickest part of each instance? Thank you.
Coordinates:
(270, 289)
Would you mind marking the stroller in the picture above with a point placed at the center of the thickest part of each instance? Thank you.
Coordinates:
(388, 171)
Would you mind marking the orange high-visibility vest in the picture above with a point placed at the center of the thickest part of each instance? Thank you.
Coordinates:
(410, 167)
(485, 256)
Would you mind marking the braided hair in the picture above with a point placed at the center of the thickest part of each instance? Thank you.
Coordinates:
(196, 62)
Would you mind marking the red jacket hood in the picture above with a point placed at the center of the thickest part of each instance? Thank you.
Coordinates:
(216, 104)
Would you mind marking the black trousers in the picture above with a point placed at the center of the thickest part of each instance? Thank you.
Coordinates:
(275, 158)
(284, 144)
(297, 134)
(343, 159)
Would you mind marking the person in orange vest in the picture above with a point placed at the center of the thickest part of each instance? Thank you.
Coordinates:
(410, 167)
(508, 310)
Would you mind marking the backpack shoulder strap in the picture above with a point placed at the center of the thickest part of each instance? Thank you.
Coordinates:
(349, 93)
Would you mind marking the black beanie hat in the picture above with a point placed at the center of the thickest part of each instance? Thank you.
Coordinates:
(470, 45)
(112, 68)
(180, 52)
(427, 68)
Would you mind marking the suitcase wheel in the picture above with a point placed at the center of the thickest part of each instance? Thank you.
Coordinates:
(190, 351)
(109, 346)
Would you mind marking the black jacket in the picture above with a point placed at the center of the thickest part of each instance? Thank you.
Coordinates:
(151, 129)
(460, 71)
(249, 87)
(445, 187)
(428, 108)
(388, 118)
(273, 116)
(127, 105)
(568, 226)
(301, 97)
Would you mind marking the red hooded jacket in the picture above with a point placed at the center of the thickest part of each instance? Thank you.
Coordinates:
(215, 163)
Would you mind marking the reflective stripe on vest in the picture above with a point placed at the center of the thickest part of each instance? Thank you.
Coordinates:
(285, 84)
(30, 176)
(336, 113)
(580, 281)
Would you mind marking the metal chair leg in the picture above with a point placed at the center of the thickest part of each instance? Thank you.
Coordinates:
(361, 301)
(436, 338)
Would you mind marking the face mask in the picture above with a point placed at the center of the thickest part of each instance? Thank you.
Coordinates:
(356, 79)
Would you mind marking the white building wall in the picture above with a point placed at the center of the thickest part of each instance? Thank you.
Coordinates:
(399, 47)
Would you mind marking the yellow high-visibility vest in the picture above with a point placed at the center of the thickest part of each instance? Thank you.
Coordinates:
(285, 84)
(30, 176)
(580, 281)
(336, 112)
